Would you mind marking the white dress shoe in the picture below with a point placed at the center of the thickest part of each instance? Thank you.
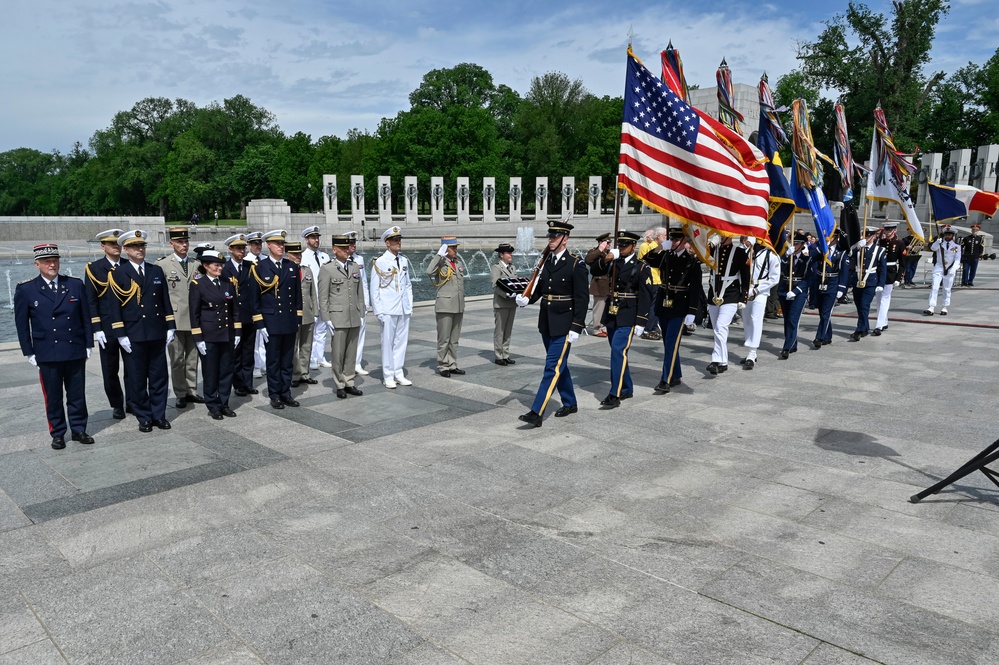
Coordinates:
(388, 383)
(360, 371)
(325, 363)
(403, 381)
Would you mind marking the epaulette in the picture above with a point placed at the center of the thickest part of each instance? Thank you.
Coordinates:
(162, 258)
(25, 281)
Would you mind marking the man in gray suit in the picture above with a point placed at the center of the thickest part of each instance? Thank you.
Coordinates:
(448, 275)
(341, 308)
(504, 306)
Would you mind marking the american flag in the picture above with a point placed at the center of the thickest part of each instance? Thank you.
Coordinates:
(686, 164)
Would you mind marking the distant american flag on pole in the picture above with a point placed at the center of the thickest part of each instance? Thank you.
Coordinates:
(686, 164)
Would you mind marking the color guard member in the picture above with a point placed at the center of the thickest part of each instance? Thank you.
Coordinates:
(972, 248)
(894, 265)
(728, 285)
(867, 277)
(765, 275)
(830, 278)
(792, 291)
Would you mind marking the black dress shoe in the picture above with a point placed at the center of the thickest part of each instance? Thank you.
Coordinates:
(83, 438)
(216, 415)
(674, 383)
(661, 388)
(341, 393)
(228, 412)
(500, 361)
(717, 368)
(239, 392)
(531, 418)
(445, 373)
(884, 328)
(826, 342)
(610, 402)
(196, 398)
(793, 349)
(162, 423)
(511, 361)
(181, 403)
(459, 372)
(855, 337)
(817, 343)
(129, 409)
(876, 332)
(276, 404)
(118, 414)
(309, 380)
(351, 390)
(289, 401)
(252, 391)
(145, 426)
(295, 383)
(749, 364)
(58, 443)
(627, 396)
(784, 354)
(565, 411)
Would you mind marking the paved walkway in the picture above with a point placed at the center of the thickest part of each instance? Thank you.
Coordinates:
(753, 517)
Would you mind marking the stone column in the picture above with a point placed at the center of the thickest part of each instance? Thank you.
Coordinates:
(516, 199)
(463, 196)
(356, 199)
(541, 198)
(929, 171)
(956, 172)
(330, 204)
(384, 200)
(594, 194)
(412, 197)
(988, 156)
(436, 200)
(489, 199)
(568, 196)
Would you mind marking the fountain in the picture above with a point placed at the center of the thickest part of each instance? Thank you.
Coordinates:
(10, 290)
(525, 241)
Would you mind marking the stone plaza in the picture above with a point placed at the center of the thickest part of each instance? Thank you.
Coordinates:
(752, 517)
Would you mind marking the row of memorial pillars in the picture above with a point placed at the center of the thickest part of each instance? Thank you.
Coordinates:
(462, 197)
(978, 168)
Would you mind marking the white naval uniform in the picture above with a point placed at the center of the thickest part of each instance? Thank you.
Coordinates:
(948, 264)
(315, 260)
(766, 274)
(359, 260)
(391, 293)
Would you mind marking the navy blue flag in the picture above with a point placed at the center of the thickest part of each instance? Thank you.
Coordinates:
(782, 203)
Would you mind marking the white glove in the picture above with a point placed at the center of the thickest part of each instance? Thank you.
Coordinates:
(713, 240)
(521, 300)
(171, 335)
(202, 348)
(753, 292)
(381, 318)
(896, 283)
(100, 338)
(667, 245)
(31, 359)
(859, 244)
(89, 351)
(125, 344)
(236, 340)
(879, 289)
(616, 253)
(791, 295)
(331, 329)
(573, 336)
(511, 296)
(840, 294)
(442, 251)
(264, 336)
(741, 306)
(639, 331)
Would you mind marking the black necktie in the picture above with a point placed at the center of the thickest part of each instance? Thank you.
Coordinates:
(52, 285)
(279, 266)
(142, 275)
(215, 281)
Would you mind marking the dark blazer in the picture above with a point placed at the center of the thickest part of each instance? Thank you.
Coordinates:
(837, 271)
(140, 308)
(243, 281)
(741, 266)
(681, 291)
(276, 305)
(634, 290)
(53, 327)
(213, 310)
(99, 294)
(562, 288)
(800, 281)
(874, 260)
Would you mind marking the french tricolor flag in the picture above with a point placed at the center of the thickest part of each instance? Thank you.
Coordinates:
(955, 202)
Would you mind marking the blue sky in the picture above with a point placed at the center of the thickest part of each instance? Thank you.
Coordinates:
(325, 67)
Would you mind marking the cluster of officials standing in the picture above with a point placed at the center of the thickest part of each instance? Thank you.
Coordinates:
(251, 314)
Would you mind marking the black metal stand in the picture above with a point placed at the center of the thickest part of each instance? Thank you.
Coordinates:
(979, 462)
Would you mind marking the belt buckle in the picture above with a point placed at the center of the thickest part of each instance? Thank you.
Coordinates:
(668, 303)
(823, 287)
(718, 301)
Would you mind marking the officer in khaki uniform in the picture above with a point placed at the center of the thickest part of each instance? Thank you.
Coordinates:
(448, 275)
(180, 272)
(341, 309)
(306, 332)
(504, 307)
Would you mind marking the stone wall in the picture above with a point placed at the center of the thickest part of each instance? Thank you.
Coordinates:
(41, 229)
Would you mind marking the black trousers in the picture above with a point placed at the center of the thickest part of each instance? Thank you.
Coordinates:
(280, 363)
(242, 361)
(111, 362)
(148, 379)
(71, 377)
(216, 371)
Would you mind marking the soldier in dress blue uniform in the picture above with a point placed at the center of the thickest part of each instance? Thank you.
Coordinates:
(54, 329)
(216, 329)
(680, 294)
(972, 248)
(830, 280)
(562, 286)
(867, 277)
(792, 291)
(237, 272)
(276, 303)
(142, 320)
(894, 257)
(627, 310)
(99, 297)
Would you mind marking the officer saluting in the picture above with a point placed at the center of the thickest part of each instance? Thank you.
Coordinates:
(627, 310)
(448, 275)
(237, 272)
(54, 329)
(216, 330)
(276, 303)
(562, 287)
(972, 248)
(99, 299)
(142, 320)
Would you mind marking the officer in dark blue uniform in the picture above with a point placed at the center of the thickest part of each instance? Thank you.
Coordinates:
(627, 310)
(792, 291)
(53, 323)
(99, 299)
(680, 294)
(276, 303)
(216, 330)
(237, 272)
(562, 286)
(142, 320)
(830, 280)
(868, 268)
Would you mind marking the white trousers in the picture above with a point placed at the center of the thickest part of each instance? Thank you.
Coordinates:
(259, 353)
(721, 319)
(752, 321)
(360, 343)
(395, 337)
(948, 283)
(319, 341)
(884, 304)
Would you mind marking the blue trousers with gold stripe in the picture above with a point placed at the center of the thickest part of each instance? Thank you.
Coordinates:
(556, 374)
(672, 332)
(620, 342)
